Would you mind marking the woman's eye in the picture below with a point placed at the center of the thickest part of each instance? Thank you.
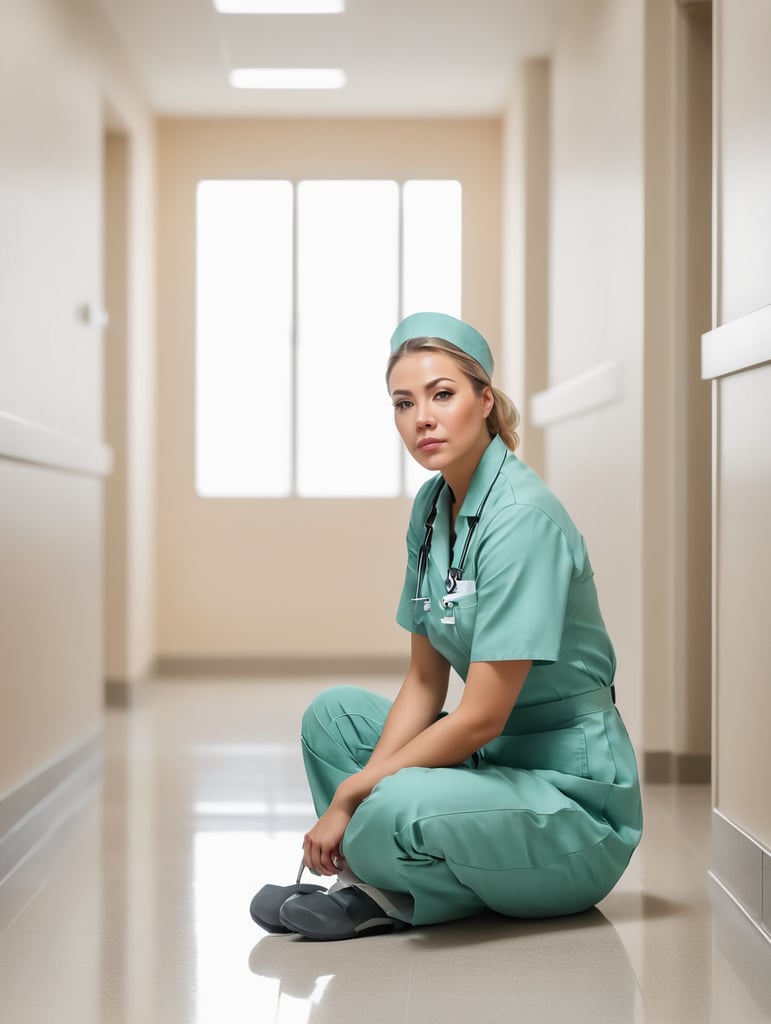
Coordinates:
(443, 395)
(404, 403)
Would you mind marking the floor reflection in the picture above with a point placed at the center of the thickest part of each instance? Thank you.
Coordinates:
(137, 911)
(488, 968)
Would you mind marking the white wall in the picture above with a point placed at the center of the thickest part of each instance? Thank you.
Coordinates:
(52, 459)
(742, 497)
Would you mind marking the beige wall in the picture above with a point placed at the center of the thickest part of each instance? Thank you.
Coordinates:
(116, 568)
(129, 383)
(526, 197)
(52, 460)
(267, 578)
(606, 293)
(677, 416)
(743, 423)
(594, 460)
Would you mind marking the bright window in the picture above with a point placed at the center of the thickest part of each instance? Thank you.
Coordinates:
(298, 289)
(244, 336)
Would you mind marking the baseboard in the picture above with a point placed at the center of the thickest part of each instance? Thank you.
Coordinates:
(124, 693)
(664, 766)
(742, 867)
(32, 811)
(177, 667)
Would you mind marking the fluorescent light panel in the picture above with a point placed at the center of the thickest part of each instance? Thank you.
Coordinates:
(279, 6)
(287, 78)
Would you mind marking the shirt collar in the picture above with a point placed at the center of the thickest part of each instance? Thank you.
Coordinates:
(484, 475)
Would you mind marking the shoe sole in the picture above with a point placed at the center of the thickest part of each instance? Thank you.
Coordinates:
(314, 927)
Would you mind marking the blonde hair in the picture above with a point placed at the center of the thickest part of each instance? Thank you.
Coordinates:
(503, 418)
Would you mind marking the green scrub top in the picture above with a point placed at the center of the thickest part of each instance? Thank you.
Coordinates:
(528, 589)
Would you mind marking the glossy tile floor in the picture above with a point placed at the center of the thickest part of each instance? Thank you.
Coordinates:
(136, 911)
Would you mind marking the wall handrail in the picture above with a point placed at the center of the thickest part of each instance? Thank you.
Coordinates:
(739, 345)
(592, 389)
(26, 441)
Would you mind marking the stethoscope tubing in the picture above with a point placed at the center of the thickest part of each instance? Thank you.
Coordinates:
(454, 573)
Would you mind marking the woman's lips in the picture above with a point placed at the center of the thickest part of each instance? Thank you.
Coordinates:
(430, 444)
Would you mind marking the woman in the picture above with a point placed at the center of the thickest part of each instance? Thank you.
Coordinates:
(525, 798)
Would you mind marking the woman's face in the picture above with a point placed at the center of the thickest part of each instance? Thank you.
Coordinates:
(439, 415)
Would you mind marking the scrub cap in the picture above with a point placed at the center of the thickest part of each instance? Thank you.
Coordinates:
(440, 325)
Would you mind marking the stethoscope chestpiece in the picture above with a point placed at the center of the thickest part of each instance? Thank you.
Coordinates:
(451, 582)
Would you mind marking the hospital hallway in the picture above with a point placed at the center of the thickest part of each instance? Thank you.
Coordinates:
(136, 910)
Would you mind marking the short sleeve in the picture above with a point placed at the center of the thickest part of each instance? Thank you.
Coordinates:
(524, 569)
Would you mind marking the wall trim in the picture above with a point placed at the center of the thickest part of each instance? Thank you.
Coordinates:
(742, 867)
(26, 441)
(580, 394)
(177, 667)
(665, 766)
(33, 810)
(738, 345)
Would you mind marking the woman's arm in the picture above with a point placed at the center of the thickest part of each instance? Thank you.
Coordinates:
(491, 690)
(489, 695)
(419, 701)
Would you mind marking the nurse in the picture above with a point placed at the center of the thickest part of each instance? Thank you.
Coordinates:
(524, 799)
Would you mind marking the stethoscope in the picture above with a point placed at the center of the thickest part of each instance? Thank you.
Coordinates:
(454, 573)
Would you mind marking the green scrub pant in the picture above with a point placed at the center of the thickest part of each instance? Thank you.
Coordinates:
(542, 822)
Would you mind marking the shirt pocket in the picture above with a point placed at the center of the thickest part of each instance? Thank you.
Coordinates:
(463, 609)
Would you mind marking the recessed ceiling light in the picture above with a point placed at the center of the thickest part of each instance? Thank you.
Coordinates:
(287, 78)
(279, 6)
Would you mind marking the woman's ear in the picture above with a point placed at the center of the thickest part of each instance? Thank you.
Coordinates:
(488, 401)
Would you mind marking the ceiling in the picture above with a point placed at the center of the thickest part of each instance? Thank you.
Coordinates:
(402, 58)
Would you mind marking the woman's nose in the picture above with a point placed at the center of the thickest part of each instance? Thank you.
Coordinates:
(425, 418)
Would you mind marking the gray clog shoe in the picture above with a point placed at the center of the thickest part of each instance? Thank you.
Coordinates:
(265, 907)
(344, 913)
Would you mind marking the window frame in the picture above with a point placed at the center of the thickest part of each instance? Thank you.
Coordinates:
(403, 491)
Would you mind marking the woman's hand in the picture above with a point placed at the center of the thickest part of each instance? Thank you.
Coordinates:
(321, 846)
